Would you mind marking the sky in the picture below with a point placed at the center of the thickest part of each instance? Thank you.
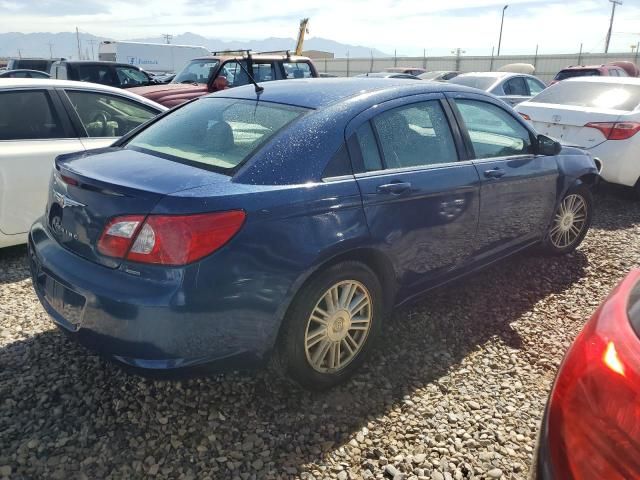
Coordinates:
(407, 26)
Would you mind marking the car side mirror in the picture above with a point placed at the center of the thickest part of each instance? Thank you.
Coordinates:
(547, 146)
(220, 83)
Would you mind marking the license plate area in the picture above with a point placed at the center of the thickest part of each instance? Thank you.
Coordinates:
(64, 301)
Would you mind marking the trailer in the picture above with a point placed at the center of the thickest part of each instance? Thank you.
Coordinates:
(152, 57)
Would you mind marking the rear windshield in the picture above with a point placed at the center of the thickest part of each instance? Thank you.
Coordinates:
(587, 72)
(219, 133)
(482, 83)
(614, 96)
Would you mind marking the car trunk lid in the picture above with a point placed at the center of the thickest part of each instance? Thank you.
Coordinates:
(567, 124)
(87, 190)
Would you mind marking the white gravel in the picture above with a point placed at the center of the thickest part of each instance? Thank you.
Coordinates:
(456, 391)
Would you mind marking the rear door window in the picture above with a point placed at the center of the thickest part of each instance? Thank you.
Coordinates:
(28, 115)
(535, 87)
(297, 70)
(415, 135)
(102, 74)
(104, 115)
(515, 86)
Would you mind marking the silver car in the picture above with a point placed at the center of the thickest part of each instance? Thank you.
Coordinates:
(513, 88)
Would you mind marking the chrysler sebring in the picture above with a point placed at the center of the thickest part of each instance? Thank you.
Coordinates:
(286, 223)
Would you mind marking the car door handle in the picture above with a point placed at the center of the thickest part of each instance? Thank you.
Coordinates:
(395, 187)
(494, 173)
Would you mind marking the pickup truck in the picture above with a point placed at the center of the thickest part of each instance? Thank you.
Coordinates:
(225, 70)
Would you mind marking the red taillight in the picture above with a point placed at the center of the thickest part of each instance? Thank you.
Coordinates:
(616, 130)
(593, 417)
(169, 239)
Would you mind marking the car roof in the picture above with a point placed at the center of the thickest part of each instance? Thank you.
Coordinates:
(96, 62)
(9, 83)
(618, 80)
(588, 67)
(489, 74)
(384, 75)
(320, 92)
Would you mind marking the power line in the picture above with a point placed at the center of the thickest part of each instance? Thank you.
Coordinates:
(167, 37)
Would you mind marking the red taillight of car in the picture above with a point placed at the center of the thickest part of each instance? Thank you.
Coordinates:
(616, 130)
(169, 239)
(593, 416)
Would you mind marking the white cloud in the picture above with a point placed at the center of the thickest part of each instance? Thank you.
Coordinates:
(405, 25)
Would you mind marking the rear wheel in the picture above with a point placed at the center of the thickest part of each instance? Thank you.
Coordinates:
(331, 325)
(571, 221)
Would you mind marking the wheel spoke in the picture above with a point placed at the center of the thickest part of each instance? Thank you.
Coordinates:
(358, 304)
(348, 291)
(316, 337)
(321, 353)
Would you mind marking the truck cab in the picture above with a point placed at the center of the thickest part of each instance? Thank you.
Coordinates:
(223, 70)
(113, 74)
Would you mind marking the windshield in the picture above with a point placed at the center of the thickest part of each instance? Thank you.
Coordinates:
(196, 71)
(482, 83)
(216, 132)
(564, 74)
(613, 96)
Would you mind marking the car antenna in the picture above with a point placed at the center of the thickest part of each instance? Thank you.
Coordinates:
(259, 89)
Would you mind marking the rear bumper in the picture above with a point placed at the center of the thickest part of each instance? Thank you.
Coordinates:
(620, 161)
(146, 323)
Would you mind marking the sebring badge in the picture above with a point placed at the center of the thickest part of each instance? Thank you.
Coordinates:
(65, 201)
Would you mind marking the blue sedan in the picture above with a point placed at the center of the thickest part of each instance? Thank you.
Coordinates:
(287, 223)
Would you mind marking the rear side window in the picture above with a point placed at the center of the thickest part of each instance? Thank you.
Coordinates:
(535, 87)
(493, 131)
(104, 115)
(616, 96)
(96, 74)
(28, 115)
(219, 133)
(415, 135)
(368, 148)
(297, 70)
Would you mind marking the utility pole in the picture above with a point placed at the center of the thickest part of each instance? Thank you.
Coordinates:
(458, 53)
(50, 49)
(613, 12)
(167, 38)
(501, 25)
(78, 41)
(92, 42)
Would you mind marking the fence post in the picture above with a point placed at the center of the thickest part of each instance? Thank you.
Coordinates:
(580, 56)
(637, 47)
(395, 58)
(424, 58)
(325, 64)
(491, 65)
(348, 63)
(371, 67)
(535, 59)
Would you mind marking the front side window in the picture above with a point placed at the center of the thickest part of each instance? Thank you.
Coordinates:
(104, 115)
(131, 77)
(415, 135)
(535, 87)
(96, 74)
(219, 133)
(493, 131)
(197, 71)
(28, 115)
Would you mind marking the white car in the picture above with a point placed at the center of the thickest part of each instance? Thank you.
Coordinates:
(598, 114)
(41, 119)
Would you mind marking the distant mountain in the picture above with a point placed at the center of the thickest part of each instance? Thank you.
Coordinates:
(64, 44)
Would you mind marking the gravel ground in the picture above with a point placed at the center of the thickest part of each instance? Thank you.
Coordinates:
(456, 392)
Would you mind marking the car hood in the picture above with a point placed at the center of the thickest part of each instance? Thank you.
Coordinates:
(164, 89)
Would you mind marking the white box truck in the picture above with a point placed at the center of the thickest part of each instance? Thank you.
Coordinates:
(152, 57)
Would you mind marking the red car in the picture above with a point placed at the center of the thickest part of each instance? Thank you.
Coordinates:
(610, 70)
(591, 428)
(218, 72)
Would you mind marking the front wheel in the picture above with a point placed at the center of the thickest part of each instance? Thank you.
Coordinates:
(331, 326)
(571, 221)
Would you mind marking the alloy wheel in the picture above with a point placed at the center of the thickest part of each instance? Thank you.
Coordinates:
(338, 326)
(569, 221)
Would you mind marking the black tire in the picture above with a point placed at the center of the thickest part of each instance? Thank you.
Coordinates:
(548, 244)
(291, 356)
